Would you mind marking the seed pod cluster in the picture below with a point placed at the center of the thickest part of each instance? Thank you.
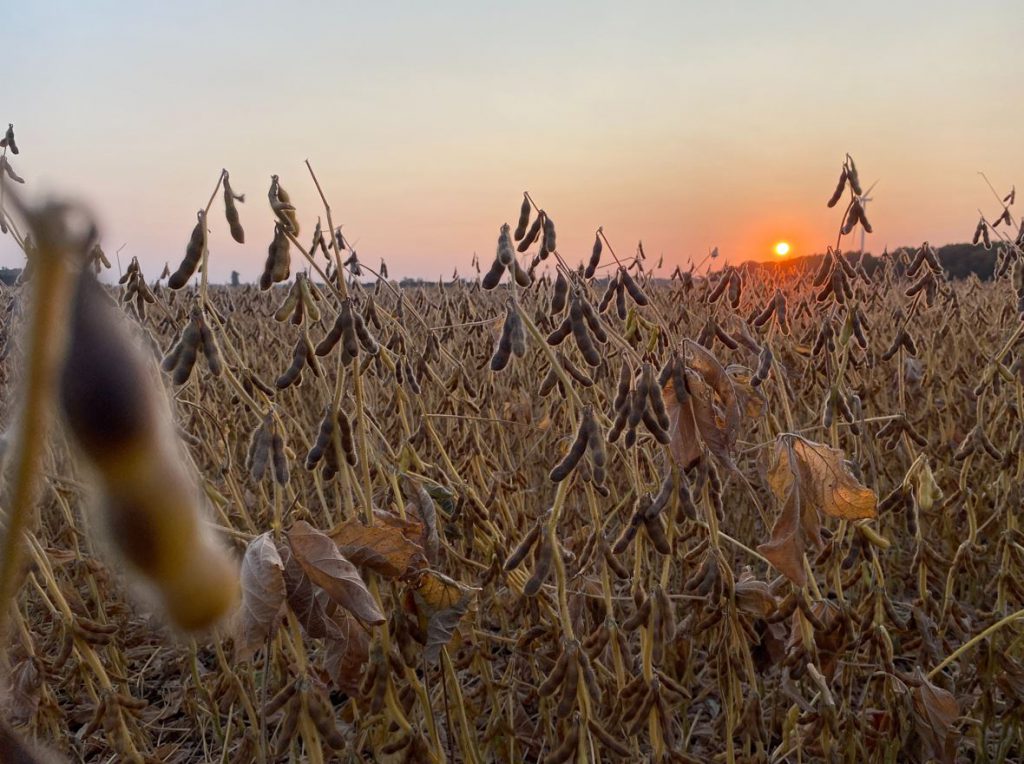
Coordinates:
(728, 283)
(901, 340)
(281, 204)
(617, 289)
(323, 449)
(350, 328)
(854, 216)
(643, 403)
(891, 433)
(512, 338)
(712, 331)
(505, 259)
(581, 322)
(149, 501)
(302, 356)
(8, 142)
(981, 232)
(278, 264)
(194, 337)
(776, 308)
(231, 211)
(588, 440)
(136, 288)
(925, 255)
(193, 254)
(266, 446)
(301, 301)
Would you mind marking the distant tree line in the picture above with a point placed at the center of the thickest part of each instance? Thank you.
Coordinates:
(959, 260)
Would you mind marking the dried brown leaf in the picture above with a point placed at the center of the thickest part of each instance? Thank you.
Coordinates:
(384, 549)
(346, 652)
(935, 713)
(327, 568)
(263, 595)
(825, 480)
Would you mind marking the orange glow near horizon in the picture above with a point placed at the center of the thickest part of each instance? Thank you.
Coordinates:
(782, 248)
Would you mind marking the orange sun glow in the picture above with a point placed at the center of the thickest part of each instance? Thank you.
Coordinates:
(782, 248)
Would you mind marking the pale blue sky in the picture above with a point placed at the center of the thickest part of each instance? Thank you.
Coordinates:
(689, 125)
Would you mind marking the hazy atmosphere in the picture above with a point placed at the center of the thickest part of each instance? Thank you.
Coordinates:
(687, 125)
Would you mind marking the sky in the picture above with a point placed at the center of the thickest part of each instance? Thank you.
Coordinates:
(688, 125)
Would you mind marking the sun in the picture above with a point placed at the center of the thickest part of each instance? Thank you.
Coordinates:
(782, 248)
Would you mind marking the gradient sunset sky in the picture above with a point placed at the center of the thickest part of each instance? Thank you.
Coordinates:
(688, 125)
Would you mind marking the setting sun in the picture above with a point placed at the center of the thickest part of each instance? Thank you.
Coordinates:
(782, 248)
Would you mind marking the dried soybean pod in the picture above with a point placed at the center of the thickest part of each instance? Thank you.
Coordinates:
(620, 300)
(193, 254)
(613, 563)
(764, 366)
(524, 218)
(288, 306)
(607, 740)
(258, 456)
(593, 319)
(627, 534)
(662, 498)
(122, 425)
(548, 383)
(567, 748)
(561, 292)
(577, 449)
(595, 257)
(558, 335)
(231, 212)
(720, 287)
(278, 459)
(503, 348)
(854, 177)
(210, 349)
(840, 186)
(574, 371)
(549, 233)
(634, 290)
(656, 533)
(506, 255)
(280, 203)
(623, 386)
(580, 334)
(367, 340)
(518, 331)
(347, 442)
(493, 276)
(323, 440)
(331, 339)
(281, 697)
(522, 549)
(609, 293)
(556, 677)
(288, 728)
(186, 356)
(531, 234)
(293, 373)
(349, 340)
(543, 560)
(570, 684)
(523, 278)
(8, 139)
(657, 402)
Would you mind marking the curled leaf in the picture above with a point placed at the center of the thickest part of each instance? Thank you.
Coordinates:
(384, 549)
(327, 568)
(935, 713)
(263, 594)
